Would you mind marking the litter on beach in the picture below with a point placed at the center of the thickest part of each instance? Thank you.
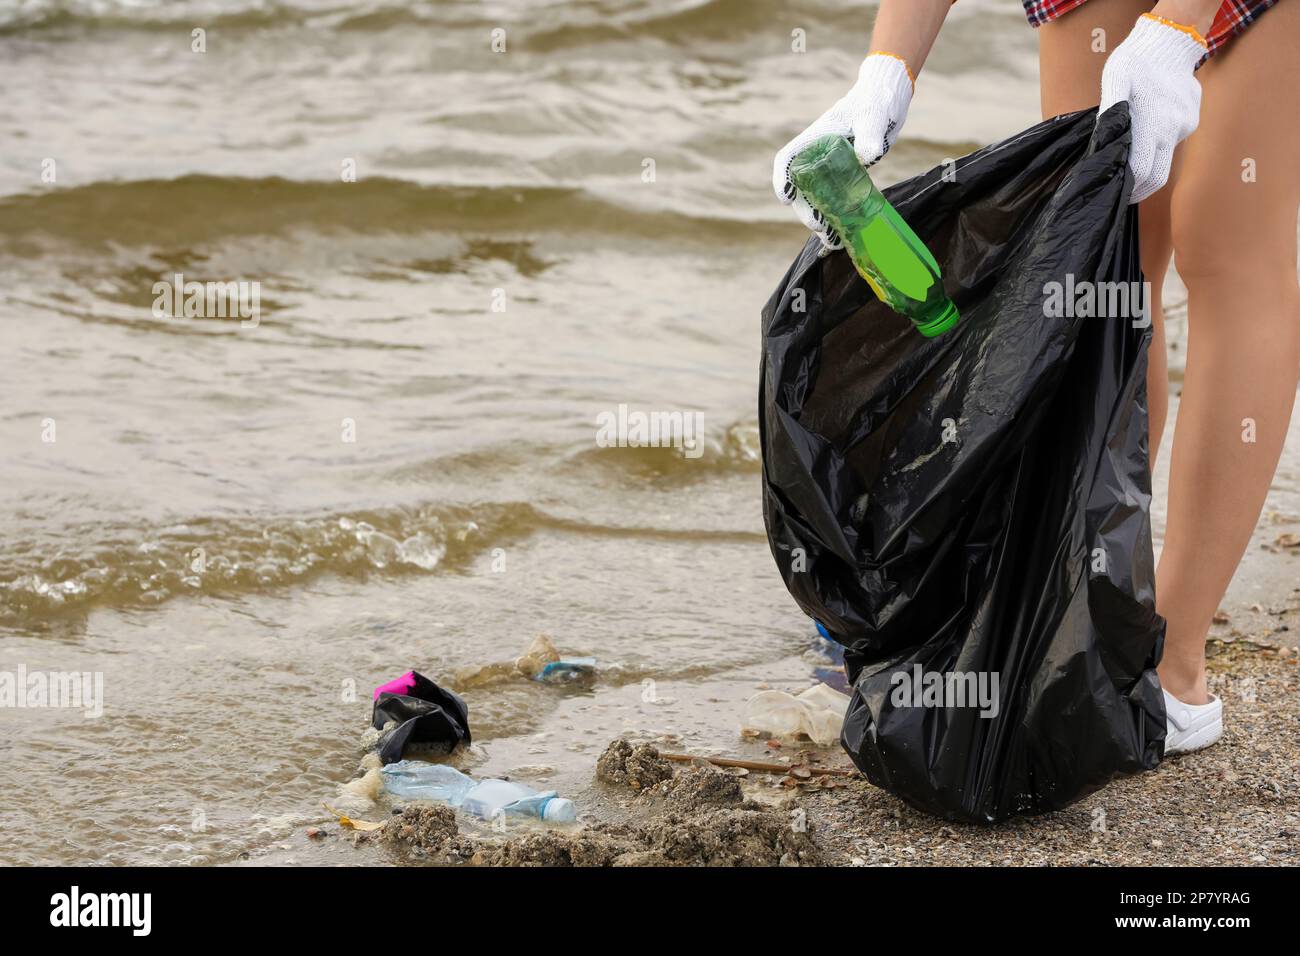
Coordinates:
(414, 710)
(815, 713)
(486, 799)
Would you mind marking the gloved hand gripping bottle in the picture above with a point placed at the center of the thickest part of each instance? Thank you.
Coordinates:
(885, 250)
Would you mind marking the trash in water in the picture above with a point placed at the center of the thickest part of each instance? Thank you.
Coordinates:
(418, 780)
(348, 823)
(566, 671)
(422, 712)
(359, 794)
(816, 713)
(438, 783)
(541, 651)
(540, 662)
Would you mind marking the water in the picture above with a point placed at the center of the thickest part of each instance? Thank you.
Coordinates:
(201, 534)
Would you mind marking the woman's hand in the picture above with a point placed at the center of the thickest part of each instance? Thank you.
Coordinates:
(1153, 69)
(871, 114)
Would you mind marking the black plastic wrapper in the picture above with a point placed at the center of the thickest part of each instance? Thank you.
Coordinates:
(426, 714)
(977, 504)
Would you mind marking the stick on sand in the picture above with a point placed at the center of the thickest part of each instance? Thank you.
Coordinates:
(759, 765)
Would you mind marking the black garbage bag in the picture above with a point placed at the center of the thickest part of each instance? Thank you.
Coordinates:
(424, 713)
(968, 515)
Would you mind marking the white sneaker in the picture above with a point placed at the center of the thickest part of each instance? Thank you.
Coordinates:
(1191, 726)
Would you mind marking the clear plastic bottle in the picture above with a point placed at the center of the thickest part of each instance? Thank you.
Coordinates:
(503, 796)
(436, 782)
(883, 248)
(417, 780)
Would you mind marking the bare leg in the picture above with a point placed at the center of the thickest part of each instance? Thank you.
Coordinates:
(1070, 79)
(1235, 248)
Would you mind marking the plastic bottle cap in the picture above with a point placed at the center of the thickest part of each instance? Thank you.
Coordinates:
(560, 810)
(940, 324)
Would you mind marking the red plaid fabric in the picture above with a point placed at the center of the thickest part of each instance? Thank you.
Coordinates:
(1233, 17)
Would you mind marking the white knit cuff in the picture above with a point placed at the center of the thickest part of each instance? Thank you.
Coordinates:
(1166, 46)
(885, 71)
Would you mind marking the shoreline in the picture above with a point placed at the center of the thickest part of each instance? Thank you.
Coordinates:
(1236, 803)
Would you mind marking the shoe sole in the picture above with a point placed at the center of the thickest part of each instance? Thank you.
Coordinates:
(1199, 740)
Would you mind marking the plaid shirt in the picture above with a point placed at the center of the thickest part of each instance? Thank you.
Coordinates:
(1233, 17)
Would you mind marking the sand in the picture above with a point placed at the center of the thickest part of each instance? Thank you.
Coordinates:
(697, 816)
(1235, 803)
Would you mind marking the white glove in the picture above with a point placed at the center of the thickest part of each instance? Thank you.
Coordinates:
(871, 113)
(1153, 69)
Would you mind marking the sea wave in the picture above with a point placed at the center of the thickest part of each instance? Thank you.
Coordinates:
(733, 450)
(18, 16)
(546, 24)
(132, 567)
(129, 566)
(199, 208)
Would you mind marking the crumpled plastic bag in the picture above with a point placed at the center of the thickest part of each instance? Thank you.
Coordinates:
(977, 504)
(423, 712)
(815, 713)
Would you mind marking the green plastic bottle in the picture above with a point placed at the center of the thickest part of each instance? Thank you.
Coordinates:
(885, 250)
